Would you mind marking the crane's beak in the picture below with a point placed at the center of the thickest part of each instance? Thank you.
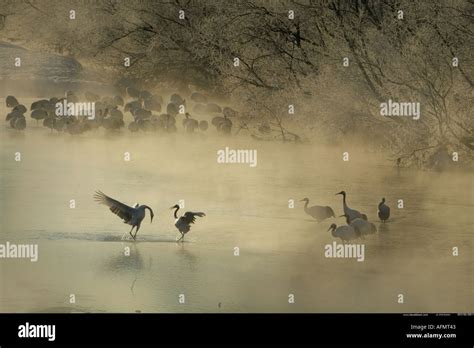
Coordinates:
(329, 229)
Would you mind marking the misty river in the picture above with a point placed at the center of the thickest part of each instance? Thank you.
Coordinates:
(250, 251)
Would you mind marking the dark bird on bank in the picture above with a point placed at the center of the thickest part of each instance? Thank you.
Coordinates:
(130, 215)
(177, 99)
(190, 124)
(172, 109)
(168, 123)
(384, 211)
(20, 108)
(133, 92)
(11, 101)
(12, 115)
(16, 118)
(152, 104)
(19, 123)
(198, 97)
(132, 106)
(222, 124)
(39, 114)
(183, 223)
(318, 212)
(41, 104)
(351, 213)
(212, 107)
(203, 125)
(145, 95)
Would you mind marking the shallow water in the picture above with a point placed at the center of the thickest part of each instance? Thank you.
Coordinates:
(281, 249)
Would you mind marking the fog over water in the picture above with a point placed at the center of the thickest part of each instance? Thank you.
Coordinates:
(281, 249)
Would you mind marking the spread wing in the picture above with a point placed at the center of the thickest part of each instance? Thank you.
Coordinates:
(118, 208)
(189, 217)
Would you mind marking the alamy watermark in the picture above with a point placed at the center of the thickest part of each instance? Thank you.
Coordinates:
(237, 156)
(354, 251)
(37, 331)
(392, 108)
(63, 108)
(20, 251)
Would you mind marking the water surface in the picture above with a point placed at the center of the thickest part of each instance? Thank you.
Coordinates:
(281, 249)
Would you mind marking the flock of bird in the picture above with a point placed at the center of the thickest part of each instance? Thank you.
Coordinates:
(357, 226)
(149, 112)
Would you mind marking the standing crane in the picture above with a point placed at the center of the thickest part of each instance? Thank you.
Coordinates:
(318, 212)
(351, 213)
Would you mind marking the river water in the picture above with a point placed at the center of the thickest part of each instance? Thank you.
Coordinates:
(280, 249)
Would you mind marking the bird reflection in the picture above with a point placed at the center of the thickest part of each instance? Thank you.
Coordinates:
(127, 261)
(383, 227)
(124, 262)
(188, 257)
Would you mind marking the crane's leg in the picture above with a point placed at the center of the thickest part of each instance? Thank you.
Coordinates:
(136, 231)
(131, 235)
(182, 236)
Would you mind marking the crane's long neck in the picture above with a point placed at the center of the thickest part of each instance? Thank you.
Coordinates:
(306, 205)
(344, 204)
(176, 212)
(151, 211)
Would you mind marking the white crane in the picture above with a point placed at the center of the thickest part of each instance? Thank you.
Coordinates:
(361, 225)
(183, 224)
(130, 215)
(346, 233)
(318, 212)
(351, 213)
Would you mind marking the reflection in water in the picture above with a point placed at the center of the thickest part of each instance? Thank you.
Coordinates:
(128, 261)
(383, 227)
(190, 260)
(123, 263)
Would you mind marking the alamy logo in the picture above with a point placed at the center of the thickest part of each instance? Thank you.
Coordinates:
(354, 251)
(392, 108)
(75, 109)
(20, 251)
(237, 156)
(37, 331)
